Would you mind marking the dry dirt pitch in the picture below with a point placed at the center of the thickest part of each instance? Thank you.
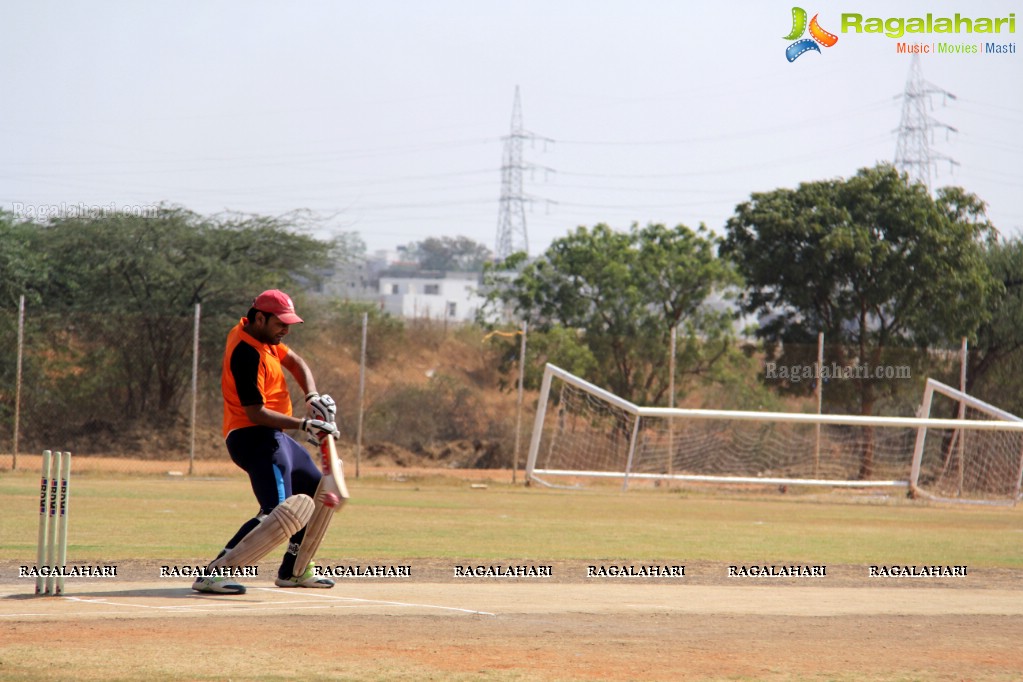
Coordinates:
(696, 628)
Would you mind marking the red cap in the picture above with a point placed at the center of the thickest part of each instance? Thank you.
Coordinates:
(277, 303)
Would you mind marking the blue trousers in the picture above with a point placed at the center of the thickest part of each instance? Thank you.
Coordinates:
(278, 467)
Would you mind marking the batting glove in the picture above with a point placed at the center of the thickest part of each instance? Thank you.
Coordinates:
(321, 407)
(318, 427)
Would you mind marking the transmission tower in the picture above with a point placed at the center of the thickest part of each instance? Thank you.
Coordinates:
(913, 153)
(511, 221)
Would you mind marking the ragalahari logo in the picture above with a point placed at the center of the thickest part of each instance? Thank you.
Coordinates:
(817, 35)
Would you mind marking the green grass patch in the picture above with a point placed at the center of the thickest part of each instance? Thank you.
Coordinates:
(167, 519)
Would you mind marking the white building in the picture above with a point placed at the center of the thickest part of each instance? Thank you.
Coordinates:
(451, 296)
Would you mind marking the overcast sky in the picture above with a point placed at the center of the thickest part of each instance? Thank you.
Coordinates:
(387, 118)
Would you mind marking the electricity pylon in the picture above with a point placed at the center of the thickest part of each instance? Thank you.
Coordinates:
(511, 222)
(913, 153)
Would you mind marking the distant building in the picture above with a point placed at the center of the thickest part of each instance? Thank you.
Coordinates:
(348, 281)
(450, 296)
(400, 289)
(358, 280)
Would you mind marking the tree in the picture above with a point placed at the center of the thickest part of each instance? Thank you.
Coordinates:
(872, 261)
(125, 287)
(625, 291)
(554, 344)
(994, 358)
(450, 254)
(22, 266)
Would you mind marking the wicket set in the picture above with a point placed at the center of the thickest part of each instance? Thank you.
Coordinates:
(51, 552)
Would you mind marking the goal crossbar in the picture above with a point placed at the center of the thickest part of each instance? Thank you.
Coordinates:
(1003, 422)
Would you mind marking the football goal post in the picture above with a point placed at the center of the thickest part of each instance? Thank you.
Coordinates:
(965, 464)
(582, 431)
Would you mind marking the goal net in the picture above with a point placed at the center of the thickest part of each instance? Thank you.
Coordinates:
(966, 464)
(582, 431)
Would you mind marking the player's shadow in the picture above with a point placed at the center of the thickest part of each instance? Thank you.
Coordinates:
(165, 592)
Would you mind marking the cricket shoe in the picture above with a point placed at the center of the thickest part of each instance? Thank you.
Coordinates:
(307, 579)
(217, 584)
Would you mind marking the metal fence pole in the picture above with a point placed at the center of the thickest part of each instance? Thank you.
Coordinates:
(362, 394)
(17, 380)
(963, 357)
(819, 390)
(672, 350)
(195, 386)
(518, 413)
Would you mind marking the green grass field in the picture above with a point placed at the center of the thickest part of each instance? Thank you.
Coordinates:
(444, 520)
(118, 517)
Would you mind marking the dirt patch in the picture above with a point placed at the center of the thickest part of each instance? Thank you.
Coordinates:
(458, 454)
(631, 633)
(576, 647)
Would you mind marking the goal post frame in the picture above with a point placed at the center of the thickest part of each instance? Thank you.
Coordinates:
(1006, 422)
(965, 400)
(550, 371)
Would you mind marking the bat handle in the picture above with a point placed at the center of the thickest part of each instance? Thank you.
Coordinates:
(324, 453)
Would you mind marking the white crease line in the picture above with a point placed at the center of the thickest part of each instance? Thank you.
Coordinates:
(201, 606)
(385, 603)
(110, 603)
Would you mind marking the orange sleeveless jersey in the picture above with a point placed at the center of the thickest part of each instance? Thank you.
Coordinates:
(251, 375)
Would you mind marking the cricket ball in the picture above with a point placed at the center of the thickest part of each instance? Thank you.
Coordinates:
(331, 500)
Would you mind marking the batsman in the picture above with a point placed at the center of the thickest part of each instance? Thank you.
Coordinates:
(295, 502)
